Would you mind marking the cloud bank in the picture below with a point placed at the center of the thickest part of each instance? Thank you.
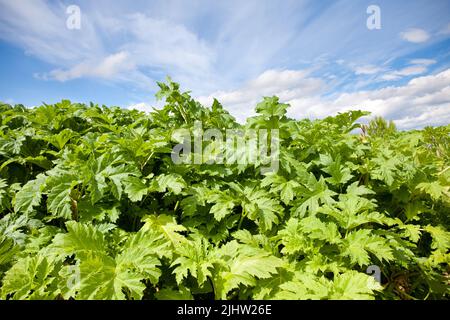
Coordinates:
(420, 101)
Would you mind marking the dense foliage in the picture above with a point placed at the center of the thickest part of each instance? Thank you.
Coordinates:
(93, 207)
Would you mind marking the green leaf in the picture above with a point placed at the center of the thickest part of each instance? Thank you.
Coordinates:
(434, 189)
(30, 278)
(30, 195)
(59, 200)
(103, 276)
(313, 196)
(260, 206)
(286, 189)
(339, 173)
(385, 167)
(182, 293)
(354, 285)
(358, 244)
(316, 229)
(3, 193)
(140, 254)
(356, 190)
(441, 238)
(270, 107)
(223, 204)
(194, 260)
(101, 279)
(135, 189)
(124, 176)
(60, 140)
(305, 286)
(168, 228)
(80, 239)
(8, 249)
(291, 239)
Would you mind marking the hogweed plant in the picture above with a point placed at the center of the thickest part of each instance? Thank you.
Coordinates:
(242, 147)
(95, 204)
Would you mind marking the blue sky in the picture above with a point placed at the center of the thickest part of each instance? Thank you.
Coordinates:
(319, 56)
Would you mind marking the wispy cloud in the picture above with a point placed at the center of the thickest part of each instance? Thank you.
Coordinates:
(405, 72)
(415, 35)
(417, 67)
(424, 62)
(41, 30)
(367, 69)
(144, 42)
(106, 68)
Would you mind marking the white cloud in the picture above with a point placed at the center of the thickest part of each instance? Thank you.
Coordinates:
(141, 106)
(159, 43)
(418, 66)
(287, 84)
(425, 118)
(367, 69)
(405, 72)
(411, 71)
(415, 35)
(106, 68)
(41, 30)
(114, 48)
(422, 101)
(424, 62)
(413, 105)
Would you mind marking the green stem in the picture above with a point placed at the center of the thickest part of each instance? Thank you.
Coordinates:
(243, 215)
(212, 286)
(145, 162)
